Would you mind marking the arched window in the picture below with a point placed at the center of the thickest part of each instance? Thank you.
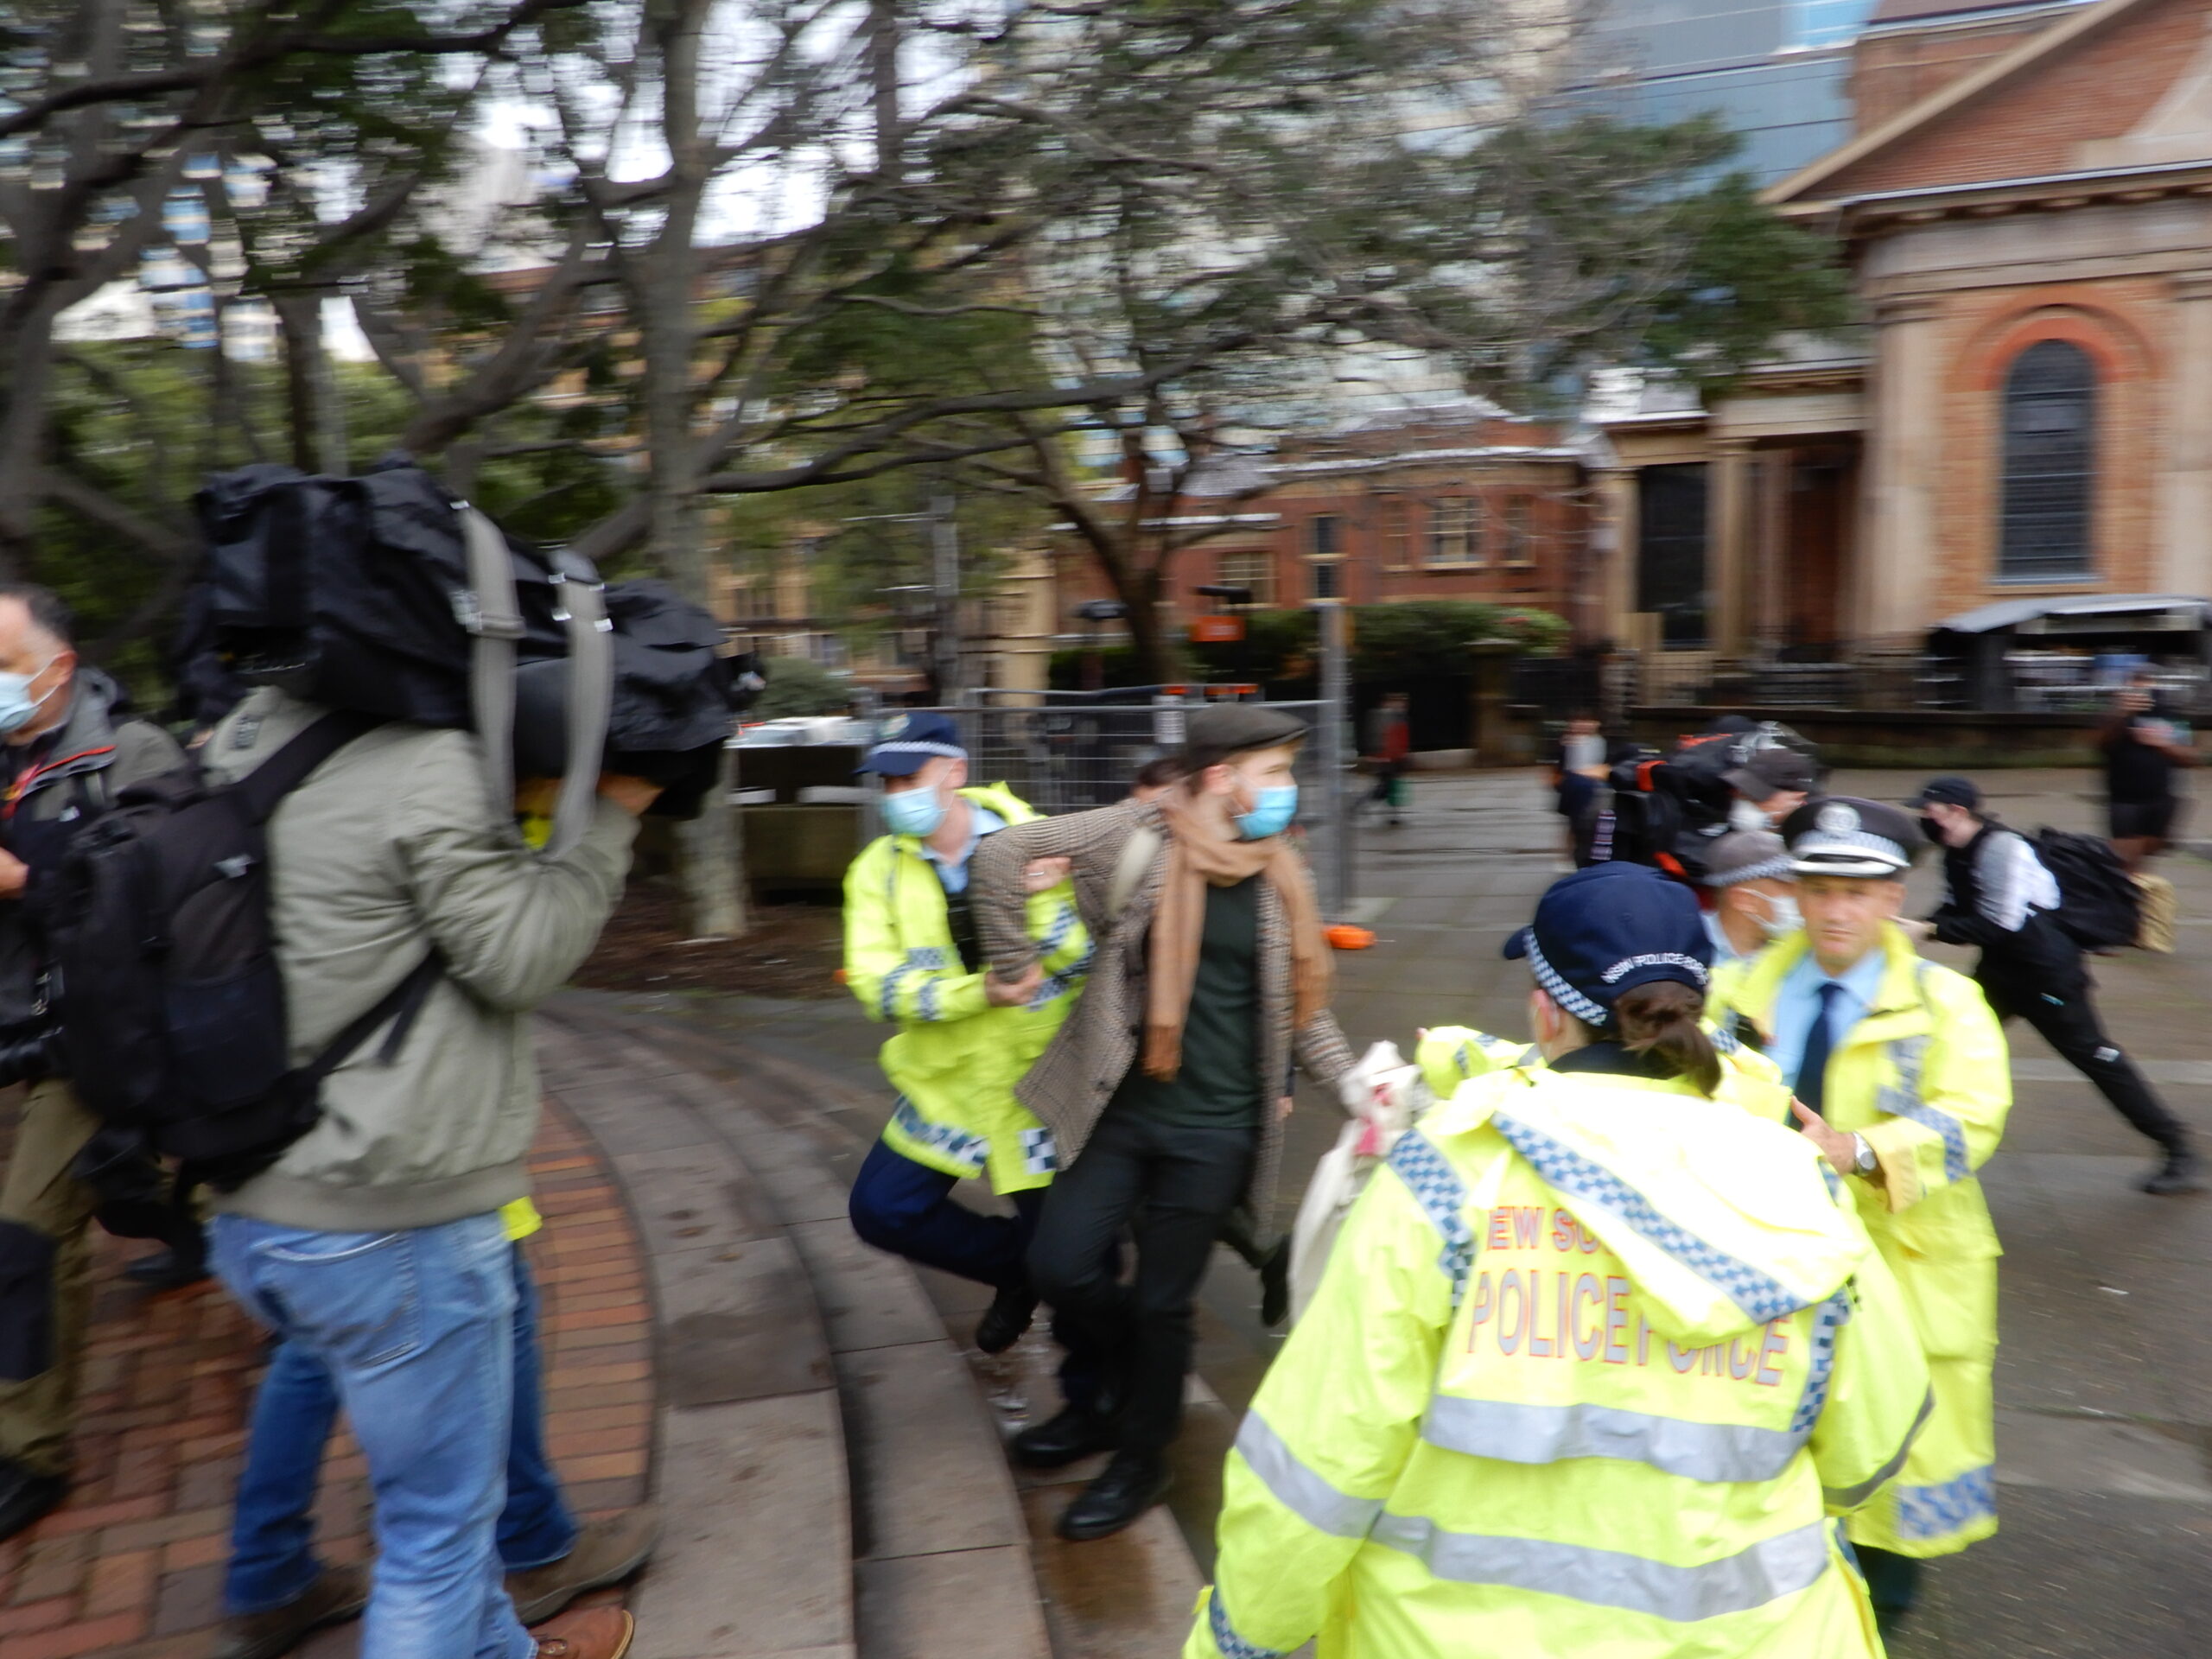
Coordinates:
(2050, 463)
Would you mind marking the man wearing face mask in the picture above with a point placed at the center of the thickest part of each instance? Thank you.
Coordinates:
(1999, 895)
(965, 1035)
(1769, 786)
(65, 756)
(1752, 901)
(1161, 1089)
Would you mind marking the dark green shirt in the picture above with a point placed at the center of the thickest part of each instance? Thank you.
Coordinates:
(1218, 1086)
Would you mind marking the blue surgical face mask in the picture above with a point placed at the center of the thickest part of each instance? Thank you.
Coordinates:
(1272, 811)
(17, 706)
(913, 811)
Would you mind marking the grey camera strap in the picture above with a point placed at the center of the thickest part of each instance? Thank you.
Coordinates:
(497, 625)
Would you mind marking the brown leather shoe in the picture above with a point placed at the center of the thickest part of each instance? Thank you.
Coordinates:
(605, 1551)
(338, 1595)
(595, 1633)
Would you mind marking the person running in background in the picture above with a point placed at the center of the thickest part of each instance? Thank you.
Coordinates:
(1999, 895)
(1389, 742)
(2142, 752)
(1579, 762)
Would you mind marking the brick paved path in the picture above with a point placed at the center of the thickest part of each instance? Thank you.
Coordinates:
(130, 1567)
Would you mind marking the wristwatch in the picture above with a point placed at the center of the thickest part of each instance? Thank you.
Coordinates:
(1866, 1163)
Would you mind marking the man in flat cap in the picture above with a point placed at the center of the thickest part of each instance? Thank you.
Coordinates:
(1769, 786)
(1903, 1080)
(1165, 1089)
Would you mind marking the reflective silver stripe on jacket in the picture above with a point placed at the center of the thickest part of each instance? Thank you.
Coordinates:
(1298, 1488)
(1902, 1100)
(1850, 1497)
(1514, 1432)
(1769, 1570)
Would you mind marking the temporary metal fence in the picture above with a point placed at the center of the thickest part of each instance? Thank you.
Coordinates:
(1072, 757)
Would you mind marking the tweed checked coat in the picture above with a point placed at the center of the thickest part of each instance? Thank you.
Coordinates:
(1070, 1085)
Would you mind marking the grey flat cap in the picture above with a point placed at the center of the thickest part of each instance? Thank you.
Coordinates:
(1234, 727)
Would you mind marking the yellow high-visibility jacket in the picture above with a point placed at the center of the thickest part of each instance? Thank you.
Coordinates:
(956, 1059)
(1925, 1077)
(1592, 1365)
(1450, 1055)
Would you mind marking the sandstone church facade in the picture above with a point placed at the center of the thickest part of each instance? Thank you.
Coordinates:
(2026, 208)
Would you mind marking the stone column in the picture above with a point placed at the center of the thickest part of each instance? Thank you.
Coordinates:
(1613, 551)
(2183, 559)
(1727, 530)
(1889, 584)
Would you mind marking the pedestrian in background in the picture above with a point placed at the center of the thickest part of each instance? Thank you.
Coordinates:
(376, 1241)
(1578, 772)
(1903, 1080)
(1389, 745)
(1595, 1358)
(66, 751)
(1997, 895)
(1164, 1089)
(2143, 753)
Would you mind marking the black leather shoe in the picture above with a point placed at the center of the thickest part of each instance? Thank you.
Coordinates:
(1004, 1319)
(1275, 1285)
(166, 1270)
(1132, 1483)
(24, 1496)
(2181, 1171)
(1075, 1434)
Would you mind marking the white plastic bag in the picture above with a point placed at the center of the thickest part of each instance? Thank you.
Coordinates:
(1391, 1095)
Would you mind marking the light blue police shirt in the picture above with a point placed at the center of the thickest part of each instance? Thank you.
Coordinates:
(952, 872)
(1799, 999)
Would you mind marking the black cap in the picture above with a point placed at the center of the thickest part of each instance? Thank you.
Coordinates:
(1842, 834)
(1949, 792)
(1772, 771)
(1607, 929)
(1237, 728)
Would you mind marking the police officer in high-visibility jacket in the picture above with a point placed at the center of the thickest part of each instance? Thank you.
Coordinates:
(1906, 1067)
(1595, 1360)
(964, 1036)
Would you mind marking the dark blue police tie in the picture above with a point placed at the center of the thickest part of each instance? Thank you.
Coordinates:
(1813, 1070)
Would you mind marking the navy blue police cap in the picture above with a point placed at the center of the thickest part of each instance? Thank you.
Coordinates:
(911, 742)
(1607, 929)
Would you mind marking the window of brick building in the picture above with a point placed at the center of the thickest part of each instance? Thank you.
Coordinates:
(1328, 580)
(1455, 531)
(1324, 541)
(1520, 540)
(2050, 450)
(1249, 569)
(1397, 535)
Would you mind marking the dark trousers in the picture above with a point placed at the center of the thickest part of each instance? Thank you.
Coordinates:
(1172, 1187)
(908, 1208)
(2070, 1025)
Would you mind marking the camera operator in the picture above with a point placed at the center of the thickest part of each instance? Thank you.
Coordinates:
(65, 754)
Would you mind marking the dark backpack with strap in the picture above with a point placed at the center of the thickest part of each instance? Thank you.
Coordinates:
(163, 974)
(2100, 906)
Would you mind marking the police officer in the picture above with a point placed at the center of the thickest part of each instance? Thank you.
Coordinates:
(1593, 1361)
(965, 1037)
(1999, 895)
(1904, 1081)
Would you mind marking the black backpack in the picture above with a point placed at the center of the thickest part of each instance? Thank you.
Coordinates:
(163, 973)
(2099, 908)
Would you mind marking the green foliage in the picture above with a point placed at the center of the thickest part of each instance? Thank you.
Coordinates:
(798, 685)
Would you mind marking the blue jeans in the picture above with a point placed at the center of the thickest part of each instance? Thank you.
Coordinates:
(416, 1330)
(272, 1532)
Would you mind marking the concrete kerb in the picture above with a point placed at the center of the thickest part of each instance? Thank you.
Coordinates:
(936, 1544)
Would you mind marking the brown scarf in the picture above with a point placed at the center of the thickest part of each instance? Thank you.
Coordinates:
(1199, 855)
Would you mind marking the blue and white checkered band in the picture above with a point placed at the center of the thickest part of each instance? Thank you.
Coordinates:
(948, 751)
(1556, 987)
(1778, 866)
(1689, 965)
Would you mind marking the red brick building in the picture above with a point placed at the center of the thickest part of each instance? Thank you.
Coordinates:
(2027, 210)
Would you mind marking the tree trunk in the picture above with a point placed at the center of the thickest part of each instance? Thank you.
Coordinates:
(1159, 654)
(318, 432)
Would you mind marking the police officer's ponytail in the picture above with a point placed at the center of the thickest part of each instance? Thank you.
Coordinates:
(1662, 1018)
